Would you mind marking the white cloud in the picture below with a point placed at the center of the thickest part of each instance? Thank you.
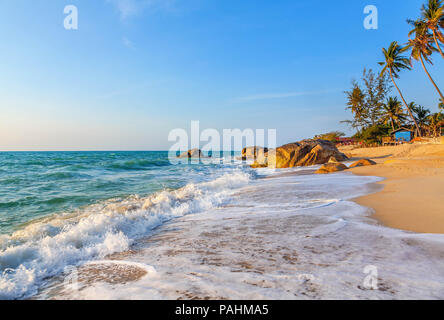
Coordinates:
(129, 8)
(127, 43)
(267, 96)
(126, 8)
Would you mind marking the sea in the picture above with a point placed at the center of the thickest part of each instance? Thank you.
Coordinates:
(133, 225)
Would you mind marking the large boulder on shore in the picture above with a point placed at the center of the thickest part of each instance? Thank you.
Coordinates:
(254, 152)
(304, 153)
(362, 163)
(331, 167)
(193, 153)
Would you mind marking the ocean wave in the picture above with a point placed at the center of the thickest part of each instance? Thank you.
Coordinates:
(139, 164)
(13, 180)
(63, 175)
(45, 247)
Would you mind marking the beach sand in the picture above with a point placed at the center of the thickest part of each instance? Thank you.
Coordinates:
(412, 195)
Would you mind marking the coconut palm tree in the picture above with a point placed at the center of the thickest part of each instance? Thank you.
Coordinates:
(432, 15)
(393, 64)
(436, 121)
(422, 48)
(421, 115)
(393, 112)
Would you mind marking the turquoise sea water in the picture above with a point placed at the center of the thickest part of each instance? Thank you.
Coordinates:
(60, 209)
(37, 184)
(63, 210)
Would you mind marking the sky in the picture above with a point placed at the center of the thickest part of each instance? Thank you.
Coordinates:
(136, 69)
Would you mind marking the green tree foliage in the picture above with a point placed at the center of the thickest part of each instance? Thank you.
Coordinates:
(394, 62)
(432, 16)
(330, 136)
(374, 115)
(436, 122)
(366, 101)
(393, 113)
(421, 115)
(373, 134)
(376, 90)
(422, 48)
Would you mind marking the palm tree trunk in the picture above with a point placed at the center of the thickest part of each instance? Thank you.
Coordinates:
(430, 77)
(406, 105)
(393, 125)
(437, 43)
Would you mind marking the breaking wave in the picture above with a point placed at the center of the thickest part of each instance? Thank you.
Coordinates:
(43, 248)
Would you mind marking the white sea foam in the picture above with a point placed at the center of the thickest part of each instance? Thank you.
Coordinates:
(44, 248)
(150, 270)
(287, 237)
(284, 237)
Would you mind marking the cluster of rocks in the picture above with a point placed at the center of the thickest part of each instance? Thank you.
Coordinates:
(192, 154)
(304, 153)
(254, 153)
(333, 166)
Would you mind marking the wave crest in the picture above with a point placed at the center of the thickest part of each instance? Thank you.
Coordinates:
(45, 247)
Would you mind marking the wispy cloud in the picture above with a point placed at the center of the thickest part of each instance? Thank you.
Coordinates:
(127, 43)
(268, 96)
(130, 90)
(129, 8)
(126, 8)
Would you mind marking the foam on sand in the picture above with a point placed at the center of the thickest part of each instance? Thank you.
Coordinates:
(45, 247)
(274, 241)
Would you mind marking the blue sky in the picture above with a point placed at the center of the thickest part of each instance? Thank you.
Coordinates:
(136, 69)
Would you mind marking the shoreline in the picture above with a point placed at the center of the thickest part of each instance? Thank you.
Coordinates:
(291, 249)
(409, 197)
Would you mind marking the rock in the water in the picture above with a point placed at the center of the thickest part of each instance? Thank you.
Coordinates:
(363, 163)
(304, 153)
(331, 167)
(334, 160)
(253, 152)
(257, 164)
(193, 153)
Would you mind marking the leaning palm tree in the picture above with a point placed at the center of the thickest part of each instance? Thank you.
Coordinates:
(393, 64)
(432, 15)
(393, 112)
(422, 48)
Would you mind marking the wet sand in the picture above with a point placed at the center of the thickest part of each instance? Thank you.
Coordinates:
(269, 243)
(412, 195)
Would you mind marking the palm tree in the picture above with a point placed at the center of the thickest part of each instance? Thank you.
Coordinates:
(393, 64)
(436, 121)
(393, 112)
(421, 115)
(422, 48)
(432, 16)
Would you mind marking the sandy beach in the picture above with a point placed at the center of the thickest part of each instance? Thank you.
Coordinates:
(410, 197)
